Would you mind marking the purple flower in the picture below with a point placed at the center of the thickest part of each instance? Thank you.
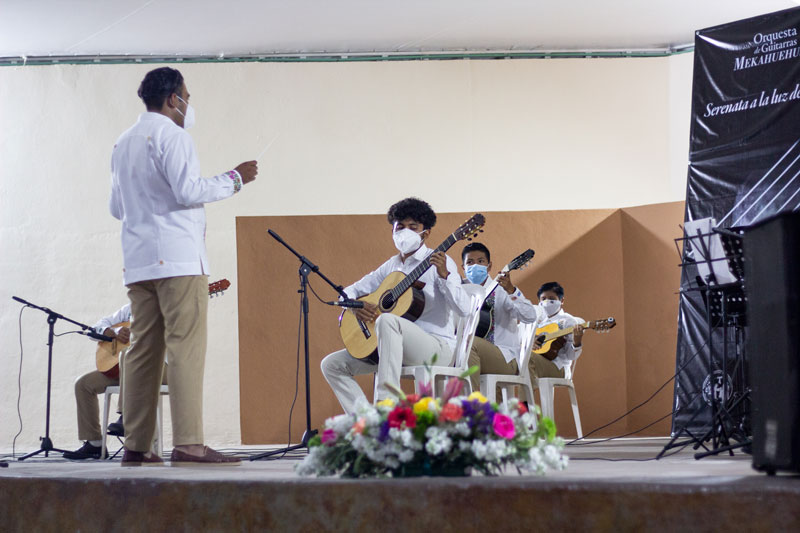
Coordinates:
(479, 415)
(384, 433)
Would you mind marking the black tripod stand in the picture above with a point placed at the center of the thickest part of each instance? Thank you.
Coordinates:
(725, 306)
(306, 267)
(52, 317)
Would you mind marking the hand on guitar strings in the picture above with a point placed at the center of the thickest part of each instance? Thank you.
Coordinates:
(123, 335)
(368, 313)
(577, 335)
(439, 260)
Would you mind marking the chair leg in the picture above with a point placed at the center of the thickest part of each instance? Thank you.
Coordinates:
(531, 402)
(546, 396)
(159, 444)
(104, 427)
(575, 413)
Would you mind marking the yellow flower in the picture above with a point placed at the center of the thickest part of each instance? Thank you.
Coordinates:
(387, 402)
(477, 396)
(423, 405)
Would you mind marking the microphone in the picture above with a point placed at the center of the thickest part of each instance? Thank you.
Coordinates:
(352, 304)
(94, 335)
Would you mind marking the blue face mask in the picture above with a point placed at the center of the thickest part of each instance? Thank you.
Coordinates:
(476, 273)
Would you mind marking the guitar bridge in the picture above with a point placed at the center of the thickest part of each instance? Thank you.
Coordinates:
(364, 329)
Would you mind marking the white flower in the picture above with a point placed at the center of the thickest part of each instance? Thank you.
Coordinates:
(341, 424)
(438, 441)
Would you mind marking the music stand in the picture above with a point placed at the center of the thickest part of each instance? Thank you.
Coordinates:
(306, 267)
(52, 317)
(717, 254)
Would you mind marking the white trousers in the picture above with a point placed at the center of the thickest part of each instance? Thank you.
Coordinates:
(400, 343)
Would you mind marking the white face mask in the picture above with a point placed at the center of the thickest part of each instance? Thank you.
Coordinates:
(407, 241)
(551, 307)
(188, 118)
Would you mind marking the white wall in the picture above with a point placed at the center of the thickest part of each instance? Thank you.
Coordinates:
(348, 138)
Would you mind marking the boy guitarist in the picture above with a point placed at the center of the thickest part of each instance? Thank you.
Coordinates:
(401, 341)
(496, 352)
(564, 350)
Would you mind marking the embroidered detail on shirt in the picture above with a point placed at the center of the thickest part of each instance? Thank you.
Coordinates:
(237, 180)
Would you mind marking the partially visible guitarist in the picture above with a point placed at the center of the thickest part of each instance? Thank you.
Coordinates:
(91, 384)
(401, 341)
(565, 349)
(496, 351)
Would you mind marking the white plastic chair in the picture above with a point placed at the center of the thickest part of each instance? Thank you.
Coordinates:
(465, 334)
(158, 443)
(547, 387)
(507, 382)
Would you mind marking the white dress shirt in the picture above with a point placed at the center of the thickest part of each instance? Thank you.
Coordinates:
(123, 314)
(158, 194)
(508, 310)
(441, 295)
(569, 352)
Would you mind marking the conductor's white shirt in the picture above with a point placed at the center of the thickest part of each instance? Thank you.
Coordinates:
(158, 194)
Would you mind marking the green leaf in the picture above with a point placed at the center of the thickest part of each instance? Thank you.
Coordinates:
(468, 372)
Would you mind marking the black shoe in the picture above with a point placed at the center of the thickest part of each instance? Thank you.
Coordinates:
(87, 451)
(116, 428)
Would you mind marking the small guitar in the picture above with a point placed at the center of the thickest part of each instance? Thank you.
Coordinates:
(107, 355)
(549, 333)
(487, 314)
(393, 296)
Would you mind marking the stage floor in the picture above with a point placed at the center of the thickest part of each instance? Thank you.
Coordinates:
(608, 485)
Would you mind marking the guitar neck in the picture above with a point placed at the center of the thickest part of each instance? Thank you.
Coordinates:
(493, 285)
(421, 268)
(568, 330)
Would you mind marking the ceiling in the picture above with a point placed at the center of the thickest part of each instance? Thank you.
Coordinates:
(237, 28)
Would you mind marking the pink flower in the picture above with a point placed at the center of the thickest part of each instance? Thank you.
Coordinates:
(452, 389)
(504, 426)
(359, 426)
(400, 416)
(328, 437)
(426, 389)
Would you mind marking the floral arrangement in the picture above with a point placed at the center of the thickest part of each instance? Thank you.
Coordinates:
(418, 435)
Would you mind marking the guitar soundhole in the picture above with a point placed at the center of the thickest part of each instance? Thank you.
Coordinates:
(387, 301)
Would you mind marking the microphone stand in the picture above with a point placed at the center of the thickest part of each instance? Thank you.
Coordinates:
(306, 267)
(52, 317)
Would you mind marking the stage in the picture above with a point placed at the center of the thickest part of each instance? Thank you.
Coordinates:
(608, 486)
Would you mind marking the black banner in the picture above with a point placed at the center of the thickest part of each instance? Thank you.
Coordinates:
(744, 166)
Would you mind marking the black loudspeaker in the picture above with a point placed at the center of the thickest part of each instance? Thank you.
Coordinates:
(772, 286)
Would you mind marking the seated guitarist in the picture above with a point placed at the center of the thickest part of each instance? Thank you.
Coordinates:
(401, 341)
(89, 385)
(565, 349)
(496, 345)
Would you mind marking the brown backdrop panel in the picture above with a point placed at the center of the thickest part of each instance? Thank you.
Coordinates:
(581, 249)
(651, 278)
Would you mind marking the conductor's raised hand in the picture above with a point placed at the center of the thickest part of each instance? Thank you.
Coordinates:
(247, 171)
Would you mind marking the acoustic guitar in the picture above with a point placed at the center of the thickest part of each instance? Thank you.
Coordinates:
(393, 296)
(549, 333)
(107, 354)
(487, 314)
